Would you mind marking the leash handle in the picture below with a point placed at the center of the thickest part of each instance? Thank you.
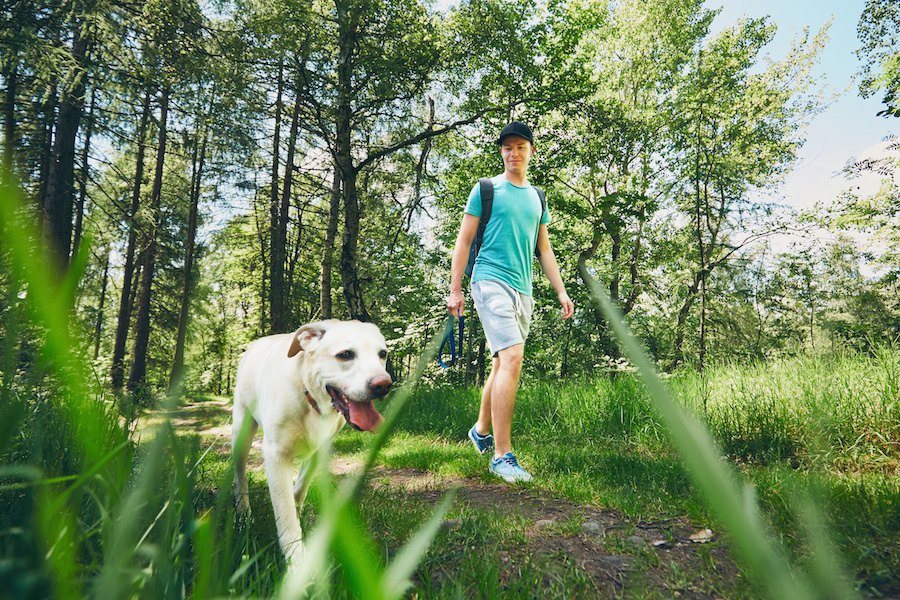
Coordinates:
(455, 351)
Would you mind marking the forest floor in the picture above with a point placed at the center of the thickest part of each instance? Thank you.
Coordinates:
(498, 540)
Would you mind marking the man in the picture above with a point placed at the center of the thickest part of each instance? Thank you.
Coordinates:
(501, 289)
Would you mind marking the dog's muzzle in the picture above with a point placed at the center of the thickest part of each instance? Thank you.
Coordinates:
(361, 415)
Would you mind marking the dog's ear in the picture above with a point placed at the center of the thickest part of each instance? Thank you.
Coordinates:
(307, 337)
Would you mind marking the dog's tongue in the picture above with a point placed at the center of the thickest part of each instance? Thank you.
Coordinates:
(364, 415)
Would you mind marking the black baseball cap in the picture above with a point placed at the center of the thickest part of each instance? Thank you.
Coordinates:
(515, 128)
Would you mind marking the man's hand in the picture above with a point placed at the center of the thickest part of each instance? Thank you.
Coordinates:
(455, 303)
(568, 307)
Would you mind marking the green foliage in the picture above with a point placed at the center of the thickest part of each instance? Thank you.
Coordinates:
(880, 53)
(624, 97)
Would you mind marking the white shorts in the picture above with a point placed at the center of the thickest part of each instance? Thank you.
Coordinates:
(504, 312)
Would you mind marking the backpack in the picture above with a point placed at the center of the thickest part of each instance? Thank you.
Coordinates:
(487, 203)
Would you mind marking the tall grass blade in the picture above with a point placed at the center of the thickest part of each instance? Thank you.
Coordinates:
(353, 547)
(49, 302)
(736, 510)
(123, 525)
(203, 557)
(308, 575)
(396, 578)
(826, 569)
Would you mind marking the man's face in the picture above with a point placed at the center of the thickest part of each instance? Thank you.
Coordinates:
(516, 152)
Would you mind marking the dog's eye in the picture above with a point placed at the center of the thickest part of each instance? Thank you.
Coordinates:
(382, 355)
(346, 355)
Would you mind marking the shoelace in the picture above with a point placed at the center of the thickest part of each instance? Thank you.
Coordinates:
(509, 459)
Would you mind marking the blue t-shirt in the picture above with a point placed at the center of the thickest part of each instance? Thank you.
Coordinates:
(509, 240)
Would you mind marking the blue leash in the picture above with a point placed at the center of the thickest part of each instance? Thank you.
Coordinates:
(455, 352)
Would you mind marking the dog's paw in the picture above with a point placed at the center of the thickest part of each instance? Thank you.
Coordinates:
(294, 553)
(242, 514)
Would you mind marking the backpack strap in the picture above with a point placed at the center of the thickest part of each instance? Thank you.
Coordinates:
(486, 186)
(486, 189)
(543, 196)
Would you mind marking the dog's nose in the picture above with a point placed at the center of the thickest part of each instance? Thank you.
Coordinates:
(380, 384)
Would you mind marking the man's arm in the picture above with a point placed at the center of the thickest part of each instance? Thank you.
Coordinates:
(551, 269)
(455, 302)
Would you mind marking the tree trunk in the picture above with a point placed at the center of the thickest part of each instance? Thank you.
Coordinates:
(135, 284)
(349, 267)
(275, 279)
(613, 229)
(9, 113)
(60, 198)
(699, 211)
(82, 183)
(347, 34)
(581, 266)
(629, 303)
(98, 325)
(481, 363)
(228, 372)
(44, 142)
(291, 310)
(812, 315)
(138, 375)
(702, 355)
(278, 321)
(564, 367)
(334, 214)
(117, 372)
(263, 275)
(615, 236)
(198, 161)
(682, 321)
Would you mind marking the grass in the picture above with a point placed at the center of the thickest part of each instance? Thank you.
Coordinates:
(827, 424)
(89, 511)
(802, 428)
(594, 442)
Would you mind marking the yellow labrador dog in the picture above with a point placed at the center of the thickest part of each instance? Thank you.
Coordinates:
(300, 387)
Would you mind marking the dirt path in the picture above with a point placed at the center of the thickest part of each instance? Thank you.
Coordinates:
(671, 558)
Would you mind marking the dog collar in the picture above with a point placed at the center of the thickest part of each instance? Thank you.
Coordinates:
(312, 402)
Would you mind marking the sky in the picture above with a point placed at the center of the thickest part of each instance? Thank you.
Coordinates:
(848, 127)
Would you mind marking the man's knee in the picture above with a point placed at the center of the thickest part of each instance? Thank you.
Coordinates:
(511, 357)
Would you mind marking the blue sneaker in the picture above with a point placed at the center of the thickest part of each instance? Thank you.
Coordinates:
(482, 443)
(507, 468)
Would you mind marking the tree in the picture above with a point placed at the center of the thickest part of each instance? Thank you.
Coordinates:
(123, 323)
(171, 38)
(612, 152)
(737, 131)
(198, 162)
(59, 198)
(879, 33)
(148, 264)
(876, 214)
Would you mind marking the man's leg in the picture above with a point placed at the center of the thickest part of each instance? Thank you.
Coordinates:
(504, 385)
(483, 425)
